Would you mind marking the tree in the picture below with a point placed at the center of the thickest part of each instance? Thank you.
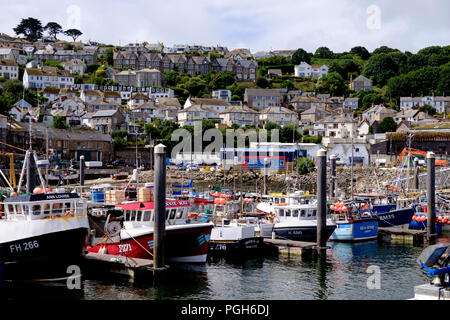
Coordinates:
(223, 79)
(59, 123)
(108, 56)
(384, 49)
(73, 33)
(262, 82)
(361, 52)
(290, 133)
(428, 109)
(380, 67)
(31, 28)
(53, 29)
(288, 84)
(387, 125)
(371, 98)
(300, 55)
(4, 106)
(323, 53)
(332, 83)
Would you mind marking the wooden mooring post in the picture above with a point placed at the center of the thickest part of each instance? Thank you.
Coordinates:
(431, 198)
(321, 200)
(159, 233)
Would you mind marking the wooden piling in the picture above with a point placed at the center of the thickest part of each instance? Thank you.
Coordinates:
(416, 174)
(321, 198)
(431, 198)
(31, 172)
(81, 170)
(333, 175)
(160, 206)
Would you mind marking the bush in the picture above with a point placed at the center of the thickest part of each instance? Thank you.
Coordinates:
(305, 165)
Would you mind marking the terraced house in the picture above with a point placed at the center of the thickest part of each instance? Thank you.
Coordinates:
(194, 65)
(47, 77)
(9, 69)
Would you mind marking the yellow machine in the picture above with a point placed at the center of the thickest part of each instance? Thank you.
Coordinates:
(12, 173)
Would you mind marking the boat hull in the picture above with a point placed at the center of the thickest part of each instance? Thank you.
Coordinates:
(394, 217)
(356, 231)
(44, 257)
(187, 245)
(236, 247)
(301, 233)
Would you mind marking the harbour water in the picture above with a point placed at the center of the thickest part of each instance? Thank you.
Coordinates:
(346, 273)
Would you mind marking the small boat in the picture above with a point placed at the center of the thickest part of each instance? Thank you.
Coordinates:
(352, 226)
(187, 239)
(120, 176)
(203, 200)
(234, 239)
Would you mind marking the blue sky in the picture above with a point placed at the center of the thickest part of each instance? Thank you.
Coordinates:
(259, 25)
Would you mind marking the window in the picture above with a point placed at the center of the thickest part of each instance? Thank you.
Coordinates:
(147, 215)
(180, 213)
(133, 215)
(281, 213)
(314, 213)
(295, 213)
(288, 213)
(167, 214)
(139, 215)
(172, 213)
(37, 209)
(302, 213)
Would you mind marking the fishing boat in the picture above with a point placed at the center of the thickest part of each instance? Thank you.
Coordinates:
(389, 210)
(352, 225)
(187, 239)
(299, 222)
(234, 238)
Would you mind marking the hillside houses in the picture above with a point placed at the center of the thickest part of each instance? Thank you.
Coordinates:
(193, 65)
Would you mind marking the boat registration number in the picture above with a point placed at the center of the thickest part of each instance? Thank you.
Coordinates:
(24, 246)
(124, 247)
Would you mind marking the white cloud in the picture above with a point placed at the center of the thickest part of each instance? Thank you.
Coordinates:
(255, 24)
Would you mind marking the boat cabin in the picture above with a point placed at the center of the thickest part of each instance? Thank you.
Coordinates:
(290, 199)
(42, 206)
(303, 212)
(142, 213)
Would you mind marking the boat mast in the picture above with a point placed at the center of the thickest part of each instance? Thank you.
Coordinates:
(351, 196)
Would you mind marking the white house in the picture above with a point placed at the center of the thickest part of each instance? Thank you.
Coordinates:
(189, 115)
(75, 66)
(306, 70)
(440, 103)
(214, 104)
(343, 154)
(47, 77)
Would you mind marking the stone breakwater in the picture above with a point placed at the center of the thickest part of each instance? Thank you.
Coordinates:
(366, 179)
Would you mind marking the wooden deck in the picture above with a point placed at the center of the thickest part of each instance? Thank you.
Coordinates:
(290, 247)
(121, 265)
(399, 234)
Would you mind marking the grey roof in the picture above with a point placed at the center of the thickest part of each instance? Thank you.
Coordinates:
(38, 130)
(104, 113)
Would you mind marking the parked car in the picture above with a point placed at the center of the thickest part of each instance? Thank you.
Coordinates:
(119, 162)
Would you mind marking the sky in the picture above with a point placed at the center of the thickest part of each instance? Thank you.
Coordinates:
(259, 25)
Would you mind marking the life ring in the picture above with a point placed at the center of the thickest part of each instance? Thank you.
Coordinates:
(281, 204)
(365, 213)
(191, 215)
(68, 213)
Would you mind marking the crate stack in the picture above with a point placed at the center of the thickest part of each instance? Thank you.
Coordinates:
(145, 195)
(115, 196)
